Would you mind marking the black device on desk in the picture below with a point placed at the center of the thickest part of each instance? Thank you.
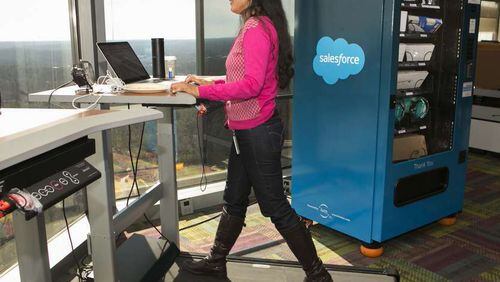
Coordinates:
(158, 47)
(83, 75)
(52, 176)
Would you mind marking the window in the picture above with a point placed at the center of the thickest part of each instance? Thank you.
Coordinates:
(35, 55)
(173, 20)
(35, 50)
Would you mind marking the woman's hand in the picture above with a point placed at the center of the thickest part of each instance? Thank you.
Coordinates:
(194, 79)
(185, 87)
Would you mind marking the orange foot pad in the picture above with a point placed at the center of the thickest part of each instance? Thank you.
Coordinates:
(448, 221)
(371, 253)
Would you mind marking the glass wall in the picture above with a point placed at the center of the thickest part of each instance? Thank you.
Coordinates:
(35, 55)
(173, 20)
(35, 50)
(139, 21)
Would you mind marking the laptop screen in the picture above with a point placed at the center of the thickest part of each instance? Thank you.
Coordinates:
(123, 61)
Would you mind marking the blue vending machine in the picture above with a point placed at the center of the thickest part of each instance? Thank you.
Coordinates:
(382, 108)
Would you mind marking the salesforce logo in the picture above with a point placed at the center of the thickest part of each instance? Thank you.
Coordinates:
(337, 59)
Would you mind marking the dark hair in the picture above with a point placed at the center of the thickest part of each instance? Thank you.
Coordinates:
(273, 9)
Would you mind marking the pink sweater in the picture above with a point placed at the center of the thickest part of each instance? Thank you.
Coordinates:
(251, 84)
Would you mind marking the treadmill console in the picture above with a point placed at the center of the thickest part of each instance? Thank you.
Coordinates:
(62, 184)
(41, 182)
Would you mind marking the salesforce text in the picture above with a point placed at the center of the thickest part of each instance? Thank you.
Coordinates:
(338, 60)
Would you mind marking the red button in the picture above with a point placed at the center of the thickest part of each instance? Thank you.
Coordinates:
(58, 186)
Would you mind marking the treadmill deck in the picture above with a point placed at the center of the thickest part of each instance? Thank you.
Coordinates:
(243, 270)
(147, 259)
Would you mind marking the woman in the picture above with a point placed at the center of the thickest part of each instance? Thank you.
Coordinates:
(259, 63)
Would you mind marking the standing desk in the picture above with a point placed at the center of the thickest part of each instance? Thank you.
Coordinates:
(104, 223)
(28, 133)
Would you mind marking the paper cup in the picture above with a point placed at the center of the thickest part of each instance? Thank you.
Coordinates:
(170, 66)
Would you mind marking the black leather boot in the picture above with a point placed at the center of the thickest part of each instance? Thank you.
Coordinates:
(301, 244)
(215, 263)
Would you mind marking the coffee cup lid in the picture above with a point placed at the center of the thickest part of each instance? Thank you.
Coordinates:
(170, 58)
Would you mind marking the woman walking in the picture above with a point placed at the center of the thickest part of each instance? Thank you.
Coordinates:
(259, 63)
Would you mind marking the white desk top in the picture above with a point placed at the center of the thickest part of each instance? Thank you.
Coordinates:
(67, 94)
(26, 133)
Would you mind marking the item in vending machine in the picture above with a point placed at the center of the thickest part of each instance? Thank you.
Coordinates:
(411, 79)
(423, 24)
(404, 21)
(419, 52)
(402, 51)
(419, 108)
(400, 110)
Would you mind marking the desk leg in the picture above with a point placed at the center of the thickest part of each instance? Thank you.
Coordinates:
(104, 140)
(169, 213)
(31, 247)
(101, 201)
(109, 171)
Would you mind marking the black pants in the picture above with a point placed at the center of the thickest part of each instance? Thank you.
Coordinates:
(259, 166)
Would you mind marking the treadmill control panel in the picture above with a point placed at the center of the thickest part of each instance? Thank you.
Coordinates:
(62, 184)
(39, 183)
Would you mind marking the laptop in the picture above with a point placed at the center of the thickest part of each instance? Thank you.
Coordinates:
(125, 63)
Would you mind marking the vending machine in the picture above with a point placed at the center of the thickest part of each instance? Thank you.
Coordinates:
(382, 110)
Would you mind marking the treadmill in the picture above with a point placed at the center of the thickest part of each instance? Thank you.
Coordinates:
(164, 262)
(252, 269)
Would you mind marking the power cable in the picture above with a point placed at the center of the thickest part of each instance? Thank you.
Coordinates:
(57, 88)
(134, 172)
(78, 268)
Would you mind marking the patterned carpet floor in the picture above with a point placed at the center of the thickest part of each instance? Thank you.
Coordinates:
(466, 251)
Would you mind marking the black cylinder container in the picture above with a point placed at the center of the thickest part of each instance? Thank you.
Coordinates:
(158, 47)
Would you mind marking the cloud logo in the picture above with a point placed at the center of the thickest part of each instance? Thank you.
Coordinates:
(337, 59)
